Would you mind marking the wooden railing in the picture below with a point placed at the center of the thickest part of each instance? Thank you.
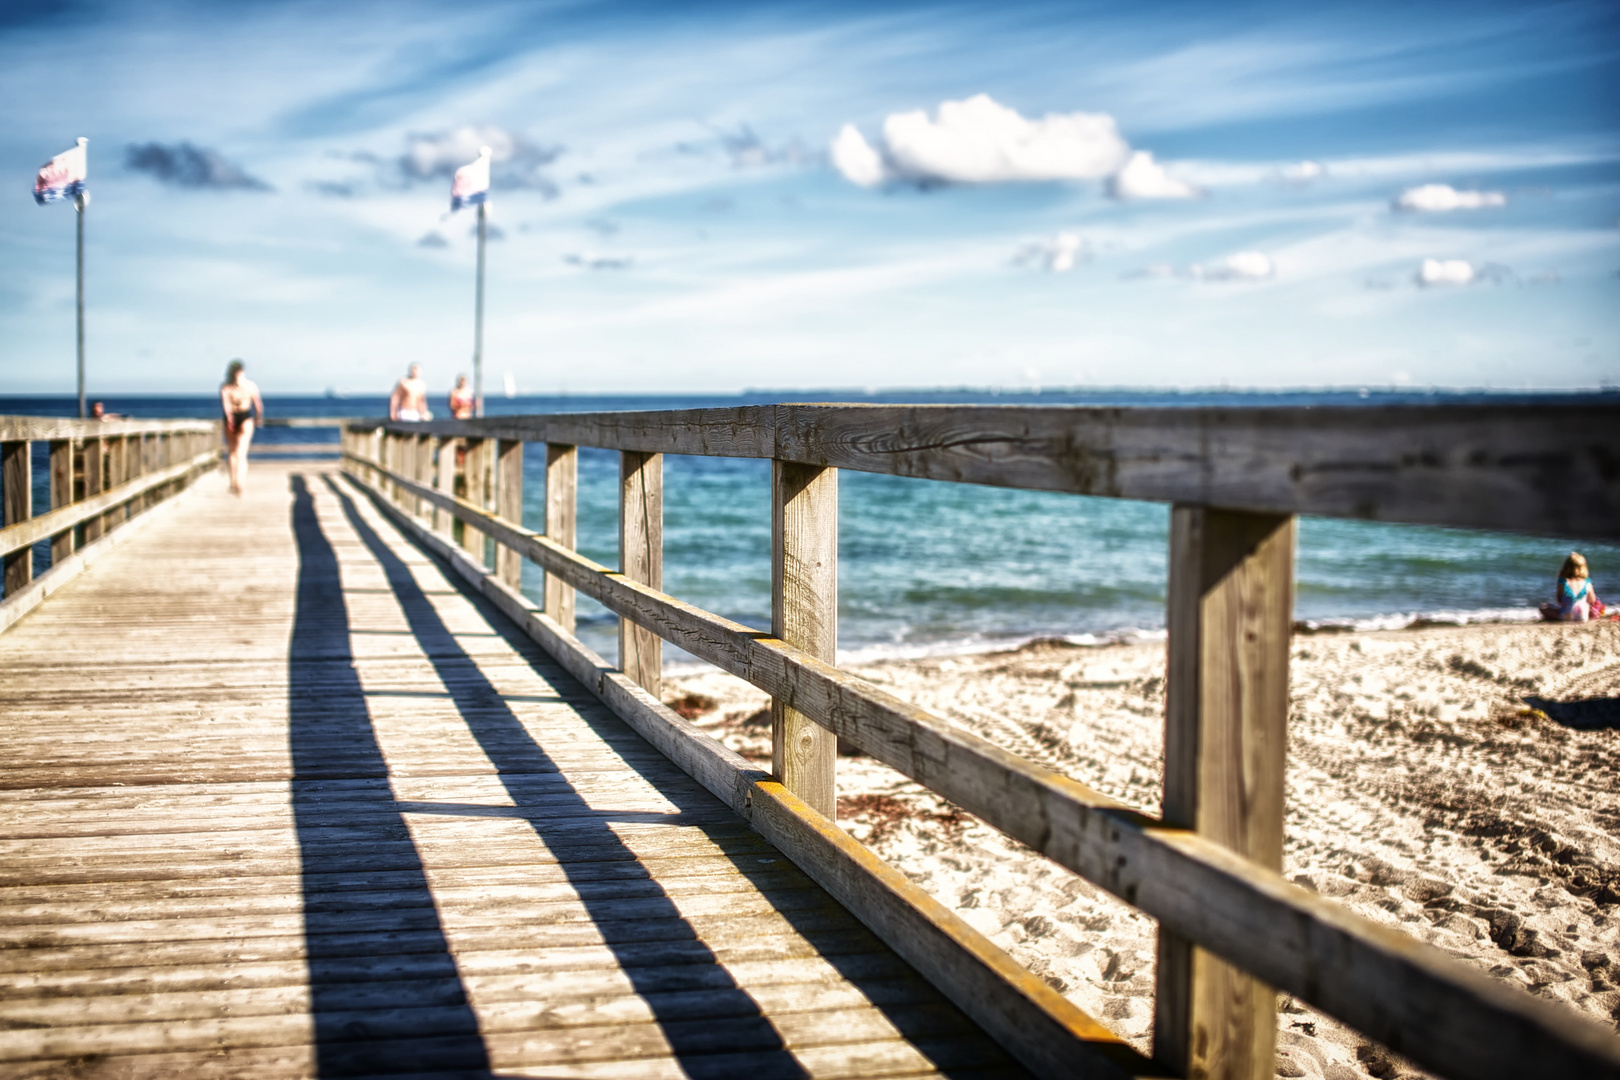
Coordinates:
(1231, 927)
(102, 474)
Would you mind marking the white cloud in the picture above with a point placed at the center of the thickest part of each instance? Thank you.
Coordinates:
(979, 141)
(1144, 178)
(854, 157)
(1057, 255)
(1439, 198)
(1244, 266)
(1303, 172)
(1446, 272)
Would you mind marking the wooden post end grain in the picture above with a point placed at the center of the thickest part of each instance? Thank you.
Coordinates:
(1230, 614)
(562, 488)
(804, 613)
(641, 558)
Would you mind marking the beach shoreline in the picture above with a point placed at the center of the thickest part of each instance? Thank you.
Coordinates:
(1461, 783)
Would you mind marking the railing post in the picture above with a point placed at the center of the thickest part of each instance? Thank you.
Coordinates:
(17, 493)
(509, 505)
(424, 470)
(442, 519)
(95, 467)
(804, 614)
(149, 459)
(562, 488)
(61, 494)
(641, 559)
(475, 468)
(1229, 615)
(117, 473)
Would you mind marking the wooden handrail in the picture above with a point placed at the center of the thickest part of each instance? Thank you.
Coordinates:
(28, 532)
(1407, 995)
(1543, 468)
(37, 428)
(100, 473)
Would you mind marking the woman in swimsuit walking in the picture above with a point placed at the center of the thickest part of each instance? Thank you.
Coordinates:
(239, 400)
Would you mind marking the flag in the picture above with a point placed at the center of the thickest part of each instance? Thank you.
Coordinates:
(471, 185)
(63, 176)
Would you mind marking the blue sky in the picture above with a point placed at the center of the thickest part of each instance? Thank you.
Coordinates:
(1175, 195)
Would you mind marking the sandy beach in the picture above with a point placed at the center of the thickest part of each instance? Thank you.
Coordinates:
(1460, 783)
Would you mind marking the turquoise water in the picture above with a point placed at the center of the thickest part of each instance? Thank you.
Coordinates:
(926, 566)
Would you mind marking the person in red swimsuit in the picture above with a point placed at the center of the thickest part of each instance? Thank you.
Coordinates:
(461, 399)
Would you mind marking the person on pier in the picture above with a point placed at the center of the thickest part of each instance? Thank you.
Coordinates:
(240, 401)
(409, 399)
(462, 403)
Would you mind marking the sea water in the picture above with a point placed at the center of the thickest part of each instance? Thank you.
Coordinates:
(928, 567)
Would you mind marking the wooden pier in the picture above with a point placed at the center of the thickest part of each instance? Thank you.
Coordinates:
(297, 784)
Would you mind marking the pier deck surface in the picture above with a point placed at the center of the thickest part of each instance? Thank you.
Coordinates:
(278, 798)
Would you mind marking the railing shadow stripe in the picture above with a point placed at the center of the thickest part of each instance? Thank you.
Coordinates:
(352, 1032)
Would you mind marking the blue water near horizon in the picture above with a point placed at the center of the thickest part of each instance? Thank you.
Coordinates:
(931, 567)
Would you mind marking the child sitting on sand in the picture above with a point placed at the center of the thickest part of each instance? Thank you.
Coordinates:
(1577, 600)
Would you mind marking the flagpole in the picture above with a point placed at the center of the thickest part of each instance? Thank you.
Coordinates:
(79, 202)
(478, 324)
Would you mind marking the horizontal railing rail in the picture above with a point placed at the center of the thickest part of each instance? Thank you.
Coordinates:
(1211, 887)
(1548, 469)
(101, 475)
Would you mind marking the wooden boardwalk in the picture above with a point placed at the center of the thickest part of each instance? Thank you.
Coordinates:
(278, 798)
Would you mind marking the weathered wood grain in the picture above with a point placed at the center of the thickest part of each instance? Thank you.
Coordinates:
(29, 531)
(17, 493)
(1230, 613)
(641, 559)
(36, 428)
(235, 861)
(1035, 1023)
(1547, 468)
(562, 487)
(61, 493)
(1405, 994)
(509, 505)
(95, 482)
(804, 614)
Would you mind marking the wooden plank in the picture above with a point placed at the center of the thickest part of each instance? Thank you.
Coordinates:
(509, 505)
(24, 599)
(804, 614)
(117, 473)
(475, 481)
(29, 531)
(446, 481)
(1407, 995)
(1033, 1022)
(562, 485)
(17, 491)
(38, 428)
(1230, 614)
(61, 488)
(95, 473)
(641, 559)
(744, 431)
(1537, 467)
(425, 466)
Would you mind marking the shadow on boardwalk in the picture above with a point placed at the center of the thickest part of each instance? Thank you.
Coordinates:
(368, 912)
